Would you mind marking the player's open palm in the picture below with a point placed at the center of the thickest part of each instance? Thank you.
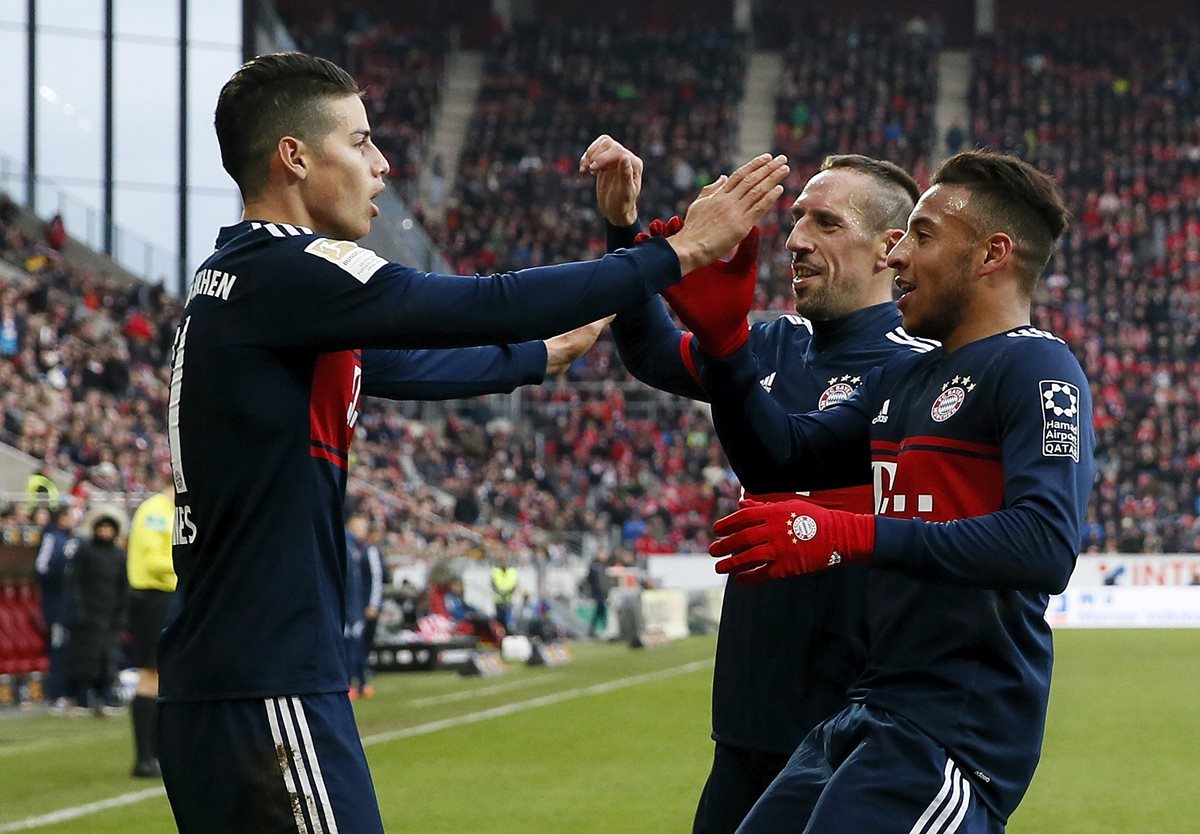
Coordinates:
(726, 210)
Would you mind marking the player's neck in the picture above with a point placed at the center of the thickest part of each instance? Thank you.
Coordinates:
(278, 209)
(975, 326)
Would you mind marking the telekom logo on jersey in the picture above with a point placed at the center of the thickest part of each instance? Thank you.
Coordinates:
(887, 499)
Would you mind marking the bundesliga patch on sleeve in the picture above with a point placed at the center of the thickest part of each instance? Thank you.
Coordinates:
(346, 254)
(1060, 419)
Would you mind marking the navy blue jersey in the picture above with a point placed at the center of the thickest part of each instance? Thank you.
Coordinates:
(787, 651)
(982, 466)
(266, 383)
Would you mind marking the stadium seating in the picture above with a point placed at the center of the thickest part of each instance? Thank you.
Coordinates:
(848, 86)
(398, 58)
(1112, 109)
(22, 643)
(547, 92)
(83, 383)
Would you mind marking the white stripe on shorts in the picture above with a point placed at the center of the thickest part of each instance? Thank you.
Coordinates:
(282, 756)
(952, 801)
(289, 726)
(318, 778)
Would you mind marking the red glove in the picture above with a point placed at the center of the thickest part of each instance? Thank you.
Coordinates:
(789, 538)
(658, 228)
(714, 301)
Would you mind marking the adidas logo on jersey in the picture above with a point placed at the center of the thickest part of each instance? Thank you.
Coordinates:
(882, 416)
(767, 381)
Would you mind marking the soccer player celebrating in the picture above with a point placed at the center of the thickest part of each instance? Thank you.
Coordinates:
(982, 458)
(787, 651)
(256, 729)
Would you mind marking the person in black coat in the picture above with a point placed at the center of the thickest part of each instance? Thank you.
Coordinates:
(97, 587)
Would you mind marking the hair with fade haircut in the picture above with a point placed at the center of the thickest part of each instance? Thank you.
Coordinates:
(269, 97)
(1015, 198)
(893, 203)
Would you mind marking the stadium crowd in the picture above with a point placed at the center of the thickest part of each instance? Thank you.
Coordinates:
(848, 86)
(601, 458)
(84, 374)
(1112, 108)
(547, 91)
(400, 59)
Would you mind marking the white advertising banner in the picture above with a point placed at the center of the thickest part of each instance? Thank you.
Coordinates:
(1106, 590)
(685, 571)
(1101, 569)
(1119, 606)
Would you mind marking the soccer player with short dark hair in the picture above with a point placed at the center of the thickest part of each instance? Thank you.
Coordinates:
(271, 358)
(981, 453)
(787, 651)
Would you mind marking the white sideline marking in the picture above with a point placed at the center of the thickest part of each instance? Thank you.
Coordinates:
(468, 694)
(124, 799)
(57, 741)
(82, 810)
(534, 703)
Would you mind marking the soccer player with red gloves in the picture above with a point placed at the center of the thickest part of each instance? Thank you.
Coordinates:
(981, 455)
(787, 651)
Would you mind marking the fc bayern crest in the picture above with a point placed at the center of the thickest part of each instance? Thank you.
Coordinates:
(947, 404)
(954, 393)
(840, 389)
(804, 527)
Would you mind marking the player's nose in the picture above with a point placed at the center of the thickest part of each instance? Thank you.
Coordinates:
(381, 167)
(799, 242)
(899, 258)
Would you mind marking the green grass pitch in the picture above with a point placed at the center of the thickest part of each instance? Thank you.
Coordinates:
(618, 742)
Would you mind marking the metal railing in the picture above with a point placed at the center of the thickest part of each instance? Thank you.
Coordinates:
(86, 224)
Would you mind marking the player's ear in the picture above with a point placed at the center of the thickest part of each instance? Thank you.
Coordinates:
(292, 153)
(887, 242)
(998, 252)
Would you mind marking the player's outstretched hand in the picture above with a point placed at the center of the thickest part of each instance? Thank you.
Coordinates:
(618, 172)
(789, 538)
(564, 349)
(724, 212)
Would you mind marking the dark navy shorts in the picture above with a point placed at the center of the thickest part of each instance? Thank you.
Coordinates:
(864, 770)
(268, 766)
